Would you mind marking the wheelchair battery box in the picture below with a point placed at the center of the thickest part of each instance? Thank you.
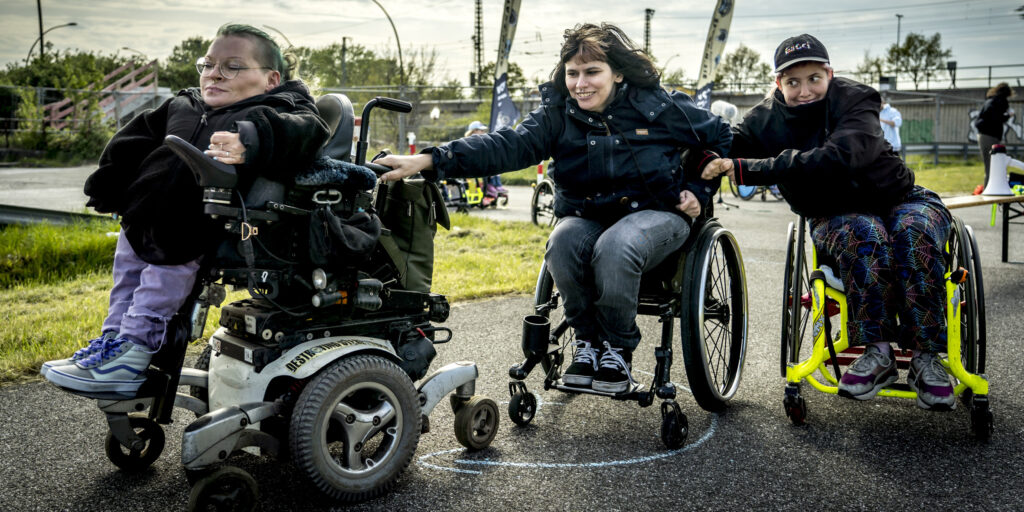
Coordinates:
(259, 321)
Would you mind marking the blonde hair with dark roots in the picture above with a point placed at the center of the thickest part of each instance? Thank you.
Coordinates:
(268, 52)
(1001, 89)
(606, 43)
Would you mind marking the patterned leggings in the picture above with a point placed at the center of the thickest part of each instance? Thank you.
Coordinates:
(892, 267)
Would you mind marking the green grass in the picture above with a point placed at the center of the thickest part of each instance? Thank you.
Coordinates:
(55, 283)
(953, 176)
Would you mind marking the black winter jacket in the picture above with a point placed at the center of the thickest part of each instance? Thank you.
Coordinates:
(828, 157)
(622, 160)
(155, 193)
(994, 114)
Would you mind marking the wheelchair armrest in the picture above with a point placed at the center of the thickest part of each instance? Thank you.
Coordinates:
(208, 172)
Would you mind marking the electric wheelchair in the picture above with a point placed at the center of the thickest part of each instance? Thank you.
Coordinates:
(702, 286)
(326, 362)
(813, 295)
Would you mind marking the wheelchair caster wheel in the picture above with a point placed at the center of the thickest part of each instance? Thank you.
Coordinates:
(228, 488)
(674, 426)
(521, 408)
(137, 458)
(796, 408)
(476, 423)
(981, 423)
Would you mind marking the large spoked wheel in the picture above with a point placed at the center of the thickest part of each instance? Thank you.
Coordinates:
(227, 488)
(476, 423)
(355, 427)
(964, 254)
(542, 205)
(548, 303)
(714, 325)
(137, 458)
(795, 281)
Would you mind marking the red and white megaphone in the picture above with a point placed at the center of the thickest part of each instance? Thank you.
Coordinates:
(998, 178)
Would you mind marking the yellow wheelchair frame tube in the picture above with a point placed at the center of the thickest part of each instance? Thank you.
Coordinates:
(820, 292)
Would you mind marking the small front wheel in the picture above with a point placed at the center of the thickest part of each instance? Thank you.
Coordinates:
(674, 426)
(522, 408)
(796, 409)
(228, 488)
(137, 458)
(476, 423)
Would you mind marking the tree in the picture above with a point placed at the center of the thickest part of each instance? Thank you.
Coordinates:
(919, 56)
(742, 72)
(516, 80)
(870, 69)
(179, 70)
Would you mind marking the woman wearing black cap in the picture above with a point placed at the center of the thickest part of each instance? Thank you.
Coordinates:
(819, 139)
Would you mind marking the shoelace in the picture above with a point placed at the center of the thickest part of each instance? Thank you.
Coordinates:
(94, 345)
(108, 349)
(932, 370)
(613, 359)
(585, 354)
(863, 363)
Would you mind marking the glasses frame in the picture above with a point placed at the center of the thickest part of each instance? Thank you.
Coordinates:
(201, 66)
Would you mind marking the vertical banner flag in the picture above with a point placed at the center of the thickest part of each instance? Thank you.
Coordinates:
(718, 33)
(503, 111)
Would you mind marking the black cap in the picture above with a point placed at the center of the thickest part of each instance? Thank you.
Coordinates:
(801, 48)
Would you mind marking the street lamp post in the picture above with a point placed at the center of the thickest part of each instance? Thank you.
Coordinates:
(42, 47)
(133, 50)
(401, 73)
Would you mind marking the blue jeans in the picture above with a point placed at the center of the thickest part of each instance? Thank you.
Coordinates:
(146, 296)
(598, 269)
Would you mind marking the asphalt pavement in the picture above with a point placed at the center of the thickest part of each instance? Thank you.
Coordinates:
(590, 453)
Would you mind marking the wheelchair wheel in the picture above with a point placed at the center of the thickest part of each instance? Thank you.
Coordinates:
(542, 204)
(964, 254)
(744, 192)
(547, 303)
(476, 423)
(137, 458)
(355, 427)
(522, 407)
(202, 363)
(228, 488)
(715, 325)
(795, 280)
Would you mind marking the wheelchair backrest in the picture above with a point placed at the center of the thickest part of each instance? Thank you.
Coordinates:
(336, 109)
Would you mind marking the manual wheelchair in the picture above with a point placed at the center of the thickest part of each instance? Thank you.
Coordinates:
(326, 362)
(813, 294)
(703, 286)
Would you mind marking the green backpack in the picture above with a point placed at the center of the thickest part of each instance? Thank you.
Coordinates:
(411, 210)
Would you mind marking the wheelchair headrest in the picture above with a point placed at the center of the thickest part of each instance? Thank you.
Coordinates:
(337, 111)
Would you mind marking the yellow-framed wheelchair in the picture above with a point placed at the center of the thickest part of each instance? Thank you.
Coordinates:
(813, 299)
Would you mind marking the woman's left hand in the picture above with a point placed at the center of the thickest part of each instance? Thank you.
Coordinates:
(226, 147)
(688, 204)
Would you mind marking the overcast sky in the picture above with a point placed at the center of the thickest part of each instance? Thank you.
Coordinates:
(979, 32)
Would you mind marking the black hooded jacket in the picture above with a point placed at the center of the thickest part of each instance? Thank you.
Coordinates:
(828, 157)
(994, 114)
(154, 192)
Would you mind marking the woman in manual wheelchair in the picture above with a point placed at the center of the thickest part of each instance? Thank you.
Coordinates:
(818, 137)
(625, 200)
(247, 112)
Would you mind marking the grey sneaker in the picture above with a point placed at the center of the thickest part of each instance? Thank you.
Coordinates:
(868, 374)
(584, 365)
(93, 347)
(929, 379)
(119, 367)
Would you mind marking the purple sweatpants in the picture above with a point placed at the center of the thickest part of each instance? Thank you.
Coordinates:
(146, 296)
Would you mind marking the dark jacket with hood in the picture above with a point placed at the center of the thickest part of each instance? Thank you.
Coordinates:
(993, 116)
(828, 157)
(608, 164)
(154, 192)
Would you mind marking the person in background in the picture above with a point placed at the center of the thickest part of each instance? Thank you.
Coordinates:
(891, 121)
(991, 123)
(493, 187)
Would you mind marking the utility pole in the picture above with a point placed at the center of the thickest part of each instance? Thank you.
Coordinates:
(478, 45)
(899, 20)
(42, 44)
(648, 14)
(344, 72)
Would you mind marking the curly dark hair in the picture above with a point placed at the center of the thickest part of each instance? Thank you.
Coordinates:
(268, 52)
(606, 43)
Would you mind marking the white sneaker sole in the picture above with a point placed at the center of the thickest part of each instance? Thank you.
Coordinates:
(77, 383)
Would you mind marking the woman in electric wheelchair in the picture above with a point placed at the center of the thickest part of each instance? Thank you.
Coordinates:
(624, 205)
(248, 113)
(818, 137)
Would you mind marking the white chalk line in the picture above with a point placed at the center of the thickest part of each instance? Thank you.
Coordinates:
(563, 465)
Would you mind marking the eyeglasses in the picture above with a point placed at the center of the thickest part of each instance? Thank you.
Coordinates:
(228, 70)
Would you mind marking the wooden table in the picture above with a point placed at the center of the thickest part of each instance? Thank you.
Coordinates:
(1012, 208)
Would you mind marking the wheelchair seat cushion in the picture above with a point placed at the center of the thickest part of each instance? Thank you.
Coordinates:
(329, 171)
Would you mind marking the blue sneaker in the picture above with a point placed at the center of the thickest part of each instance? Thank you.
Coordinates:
(94, 346)
(119, 367)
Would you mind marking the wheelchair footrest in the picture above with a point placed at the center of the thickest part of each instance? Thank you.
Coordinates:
(630, 394)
